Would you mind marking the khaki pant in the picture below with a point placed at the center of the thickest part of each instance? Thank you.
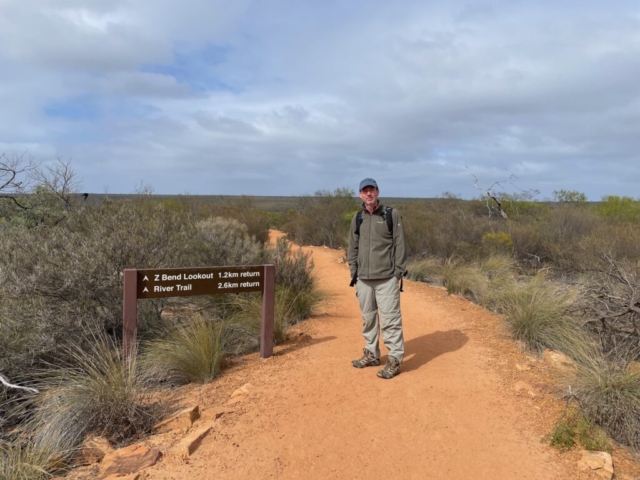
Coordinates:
(382, 295)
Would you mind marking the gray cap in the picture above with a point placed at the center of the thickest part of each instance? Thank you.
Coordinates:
(368, 182)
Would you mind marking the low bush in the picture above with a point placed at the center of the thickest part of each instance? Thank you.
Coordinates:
(294, 269)
(244, 210)
(615, 239)
(569, 196)
(61, 281)
(322, 219)
(223, 241)
(623, 208)
(528, 244)
(497, 243)
(574, 429)
(443, 229)
(525, 210)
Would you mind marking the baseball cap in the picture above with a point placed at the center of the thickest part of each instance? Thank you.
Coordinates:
(368, 182)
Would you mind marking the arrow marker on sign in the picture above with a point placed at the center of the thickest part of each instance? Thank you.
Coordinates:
(145, 279)
(145, 290)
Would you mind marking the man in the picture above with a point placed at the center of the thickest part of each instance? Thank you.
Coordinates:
(377, 256)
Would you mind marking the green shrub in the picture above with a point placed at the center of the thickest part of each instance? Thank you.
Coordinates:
(223, 241)
(61, 281)
(294, 270)
(443, 229)
(623, 208)
(482, 281)
(574, 429)
(569, 196)
(497, 243)
(276, 219)
(191, 352)
(419, 229)
(244, 210)
(321, 219)
(528, 243)
(563, 436)
(516, 210)
(563, 231)
(616, 239)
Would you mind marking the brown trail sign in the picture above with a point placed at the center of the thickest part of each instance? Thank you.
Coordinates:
(176, 282)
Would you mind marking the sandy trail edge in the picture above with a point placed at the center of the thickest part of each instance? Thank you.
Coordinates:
(452, 413)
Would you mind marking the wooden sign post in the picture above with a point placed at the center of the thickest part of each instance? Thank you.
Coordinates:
(180, 282)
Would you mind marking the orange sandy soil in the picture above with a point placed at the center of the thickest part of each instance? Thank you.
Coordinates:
(453, 412)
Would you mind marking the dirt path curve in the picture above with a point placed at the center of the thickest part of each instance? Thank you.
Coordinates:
(451, 414)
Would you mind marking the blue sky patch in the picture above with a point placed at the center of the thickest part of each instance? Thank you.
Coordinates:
(85, 107)
(197, 68)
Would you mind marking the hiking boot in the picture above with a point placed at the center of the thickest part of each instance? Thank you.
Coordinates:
(367, 360)
(391, 369)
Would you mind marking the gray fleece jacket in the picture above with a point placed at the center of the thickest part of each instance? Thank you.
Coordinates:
(374, 253)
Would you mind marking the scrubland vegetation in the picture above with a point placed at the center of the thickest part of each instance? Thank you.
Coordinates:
(61, 264)
(565, 275)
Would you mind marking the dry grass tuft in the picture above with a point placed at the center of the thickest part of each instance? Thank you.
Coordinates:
(291, 306)
(496, 266)
(192, 352)
(609, 395)
(24, 462)
(463, 279)
(91, 391)
(426, 270)
(537, 314)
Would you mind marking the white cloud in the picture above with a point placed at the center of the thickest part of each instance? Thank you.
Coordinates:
(285, 97)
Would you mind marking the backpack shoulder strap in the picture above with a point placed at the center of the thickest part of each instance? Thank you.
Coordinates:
(389, 215)
(358, 222)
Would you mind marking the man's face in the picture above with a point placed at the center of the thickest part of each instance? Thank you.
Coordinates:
(369, 195)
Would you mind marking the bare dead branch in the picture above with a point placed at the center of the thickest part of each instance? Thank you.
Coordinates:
(488, 192)
(58, 179)
(15, 201)
(6, 383)
(14, 173)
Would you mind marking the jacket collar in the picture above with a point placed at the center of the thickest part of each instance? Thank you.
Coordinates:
(377, 211)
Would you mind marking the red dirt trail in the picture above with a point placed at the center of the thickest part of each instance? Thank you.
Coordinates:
(452, 413)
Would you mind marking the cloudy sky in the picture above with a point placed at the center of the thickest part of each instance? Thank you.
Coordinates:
(285, 97)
